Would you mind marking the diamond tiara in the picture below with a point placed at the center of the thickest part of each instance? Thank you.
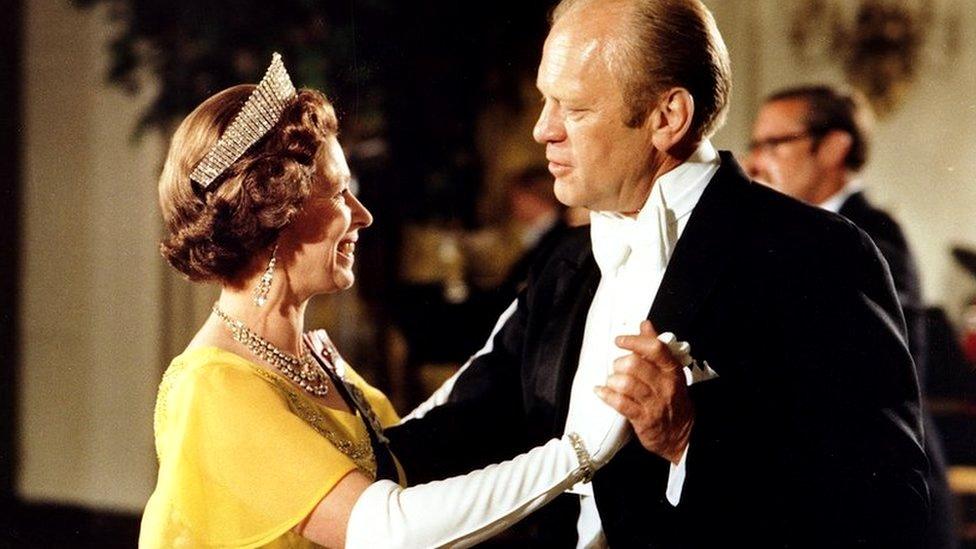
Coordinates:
(260, 113)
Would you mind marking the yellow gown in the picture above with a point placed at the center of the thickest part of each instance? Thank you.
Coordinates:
(244, 455)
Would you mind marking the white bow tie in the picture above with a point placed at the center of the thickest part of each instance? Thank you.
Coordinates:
(615, 236)
(611, 238)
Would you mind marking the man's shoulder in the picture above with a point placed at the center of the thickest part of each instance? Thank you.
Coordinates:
(789, 240)
(789, 222)
(768, 217)
(879, 224)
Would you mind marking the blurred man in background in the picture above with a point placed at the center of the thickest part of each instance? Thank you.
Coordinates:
(810, 143)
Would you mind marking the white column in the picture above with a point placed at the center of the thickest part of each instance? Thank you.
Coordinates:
(92, 278)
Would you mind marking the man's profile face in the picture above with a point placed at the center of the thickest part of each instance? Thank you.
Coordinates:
(783, 153)
(598, 162)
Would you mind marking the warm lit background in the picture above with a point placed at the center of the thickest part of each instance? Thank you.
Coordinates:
(436, 118)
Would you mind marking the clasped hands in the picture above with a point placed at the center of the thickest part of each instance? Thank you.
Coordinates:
(648, 387)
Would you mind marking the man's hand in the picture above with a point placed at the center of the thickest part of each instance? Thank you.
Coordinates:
(648, 388)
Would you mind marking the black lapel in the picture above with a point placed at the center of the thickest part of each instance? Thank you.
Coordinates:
(557, 343)
(704, 249)
(572, 342)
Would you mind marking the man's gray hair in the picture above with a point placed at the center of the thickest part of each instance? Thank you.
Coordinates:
(667, 44)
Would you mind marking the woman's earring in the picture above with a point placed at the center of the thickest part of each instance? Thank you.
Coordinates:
(264, 285)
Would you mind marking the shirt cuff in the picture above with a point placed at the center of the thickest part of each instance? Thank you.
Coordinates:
(676, 479)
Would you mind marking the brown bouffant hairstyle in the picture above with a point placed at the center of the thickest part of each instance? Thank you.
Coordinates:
(668, 44)
(214, 233)
(830, 108)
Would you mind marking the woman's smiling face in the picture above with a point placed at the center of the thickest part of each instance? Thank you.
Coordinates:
(326, 231)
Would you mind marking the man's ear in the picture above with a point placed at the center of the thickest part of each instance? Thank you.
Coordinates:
(670, 121)
(833, 148)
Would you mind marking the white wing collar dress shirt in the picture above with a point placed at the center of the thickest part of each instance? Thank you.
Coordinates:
(632, 254)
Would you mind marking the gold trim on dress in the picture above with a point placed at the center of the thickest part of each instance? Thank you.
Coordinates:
(360, 452)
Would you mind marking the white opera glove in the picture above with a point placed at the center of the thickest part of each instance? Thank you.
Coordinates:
(603, 432)
(465, 510)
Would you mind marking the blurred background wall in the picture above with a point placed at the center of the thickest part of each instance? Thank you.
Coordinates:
(923, 163)
(100, 315)
(91, 289)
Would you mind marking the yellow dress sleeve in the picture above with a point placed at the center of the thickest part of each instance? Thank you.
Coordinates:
(237, 467)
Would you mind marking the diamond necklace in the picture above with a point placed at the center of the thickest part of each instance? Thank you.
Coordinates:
(304, 371)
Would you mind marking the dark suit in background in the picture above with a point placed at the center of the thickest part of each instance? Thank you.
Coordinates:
(890, 239)
(809, 437)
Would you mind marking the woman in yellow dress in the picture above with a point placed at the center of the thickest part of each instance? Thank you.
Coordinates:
(264, 440)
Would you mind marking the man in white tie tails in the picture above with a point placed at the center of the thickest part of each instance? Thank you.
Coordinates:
(796, 424)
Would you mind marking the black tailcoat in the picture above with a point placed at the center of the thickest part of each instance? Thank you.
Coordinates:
(809, 437)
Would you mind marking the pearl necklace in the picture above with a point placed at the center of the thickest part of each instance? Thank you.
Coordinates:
(304, 371)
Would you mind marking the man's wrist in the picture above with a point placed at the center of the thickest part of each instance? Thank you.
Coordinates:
(681, 443)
